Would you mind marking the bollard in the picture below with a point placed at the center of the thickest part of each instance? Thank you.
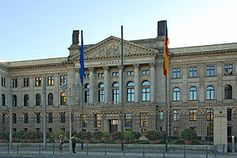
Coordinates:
(105, 150)
(53, 149)
(8, 148)
(233, 144)
(17, 148)
(123, 150)
(39, 149)
(184, 152)
(143, 151)
(165, 149)
(87, 149)
(206, 151)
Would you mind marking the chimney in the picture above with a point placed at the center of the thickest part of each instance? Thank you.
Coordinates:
(75, 37)
(162, 28)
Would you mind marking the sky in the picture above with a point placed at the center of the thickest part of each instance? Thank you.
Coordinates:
(39, 29)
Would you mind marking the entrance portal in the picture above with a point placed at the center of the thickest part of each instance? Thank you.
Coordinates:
(113, 125)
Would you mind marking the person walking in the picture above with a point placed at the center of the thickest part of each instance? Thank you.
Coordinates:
(73, 144)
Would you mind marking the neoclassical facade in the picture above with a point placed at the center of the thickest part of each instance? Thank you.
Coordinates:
(200, 79)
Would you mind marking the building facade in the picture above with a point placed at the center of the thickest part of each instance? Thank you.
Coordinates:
(200, 79)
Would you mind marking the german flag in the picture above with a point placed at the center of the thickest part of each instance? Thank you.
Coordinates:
(166, 58)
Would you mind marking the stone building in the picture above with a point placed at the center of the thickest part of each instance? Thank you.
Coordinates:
(200, 79)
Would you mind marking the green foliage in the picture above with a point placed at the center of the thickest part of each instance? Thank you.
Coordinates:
(128, 136)
(188, 134)
(136, 135)
(106, 136)
(85, 135)
(97, 135)
(152, 135)
(117, 135)
(4, 135)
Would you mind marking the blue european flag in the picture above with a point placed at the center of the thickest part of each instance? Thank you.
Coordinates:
(82, 59)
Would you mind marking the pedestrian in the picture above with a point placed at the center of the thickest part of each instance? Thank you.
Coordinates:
(61, 142)
(73, 144)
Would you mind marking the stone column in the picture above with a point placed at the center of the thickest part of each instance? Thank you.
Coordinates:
(152, 73)
(91, 92)
(32, 92)
(137, 83)
(219, 92)
(106, 84)
(202, 88)
(56, 90)
(1, 91)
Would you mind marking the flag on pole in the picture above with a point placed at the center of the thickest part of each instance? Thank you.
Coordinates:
(166, 58)
(82, 59)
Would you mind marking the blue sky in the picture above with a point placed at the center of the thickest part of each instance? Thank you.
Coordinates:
(31, 29)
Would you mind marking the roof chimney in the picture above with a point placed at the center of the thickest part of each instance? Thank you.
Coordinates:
(75, 37)
(162, 28)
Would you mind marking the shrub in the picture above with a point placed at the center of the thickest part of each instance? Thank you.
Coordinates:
(85, 135)
(106, 136)
(152, 135)
(97, 135)
(117, 135)
(128, 136)
(188, 134)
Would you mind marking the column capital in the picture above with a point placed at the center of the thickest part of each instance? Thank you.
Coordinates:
(136, 66)
(106, 68)
(152, 64)
(91, 69)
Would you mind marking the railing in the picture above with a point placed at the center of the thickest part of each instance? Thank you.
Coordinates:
(137, 150)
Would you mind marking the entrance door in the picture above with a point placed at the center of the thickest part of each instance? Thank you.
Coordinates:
(113, 125)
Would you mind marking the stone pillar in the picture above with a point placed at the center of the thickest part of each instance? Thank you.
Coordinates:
(220, 128)
(219, 91)
(202, 87)
(32, 92)
(185, 87)
(1, 90)
(152, 73)
(137, 83)
(91, 99)
(106, 84)
(56, 94)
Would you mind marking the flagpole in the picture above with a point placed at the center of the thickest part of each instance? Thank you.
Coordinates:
(10, 118)
(122, 87)
(44, 112)
(166, 116)
(81, 85)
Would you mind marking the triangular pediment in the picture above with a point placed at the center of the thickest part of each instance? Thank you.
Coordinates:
(110, 49)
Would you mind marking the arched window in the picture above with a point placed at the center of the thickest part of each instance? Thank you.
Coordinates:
(193, 93)
(228, 91)
(38, 99)
(26, 100)
(176, 94)
(63, 98)
(14, 100)
(146, 91)
(130, 91)
(210, 92)
(3, 100)
(86, 93)
(50, 99)
(101, 93)
(115, 93)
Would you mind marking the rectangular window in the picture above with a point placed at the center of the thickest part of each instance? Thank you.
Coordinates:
(26, 82)
(38, 81)
(228, 69)
(176, 73)
(176, 114)
(3, 81)
(130, 73)
(3, 118)
(14, 83)
(144, 120)
(210, 70)
(97, 120)
(193, 72)
(62, 117)
(210, 115)
(26, 118)
(128, 120)
(63, 80)
(37, 117)
(161, 114)
(50, 80)
(192, 115)
(14, 118)
(50, 117)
